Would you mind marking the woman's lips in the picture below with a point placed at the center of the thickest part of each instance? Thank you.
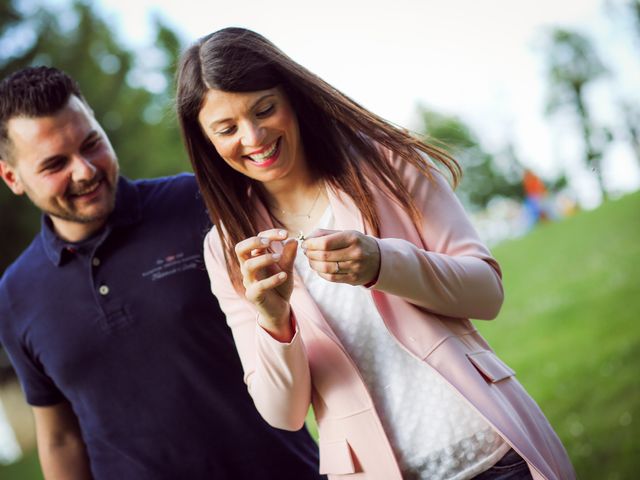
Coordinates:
(265, 153)
(267, 157)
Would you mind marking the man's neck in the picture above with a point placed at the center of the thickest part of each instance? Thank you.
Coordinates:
(75, 232)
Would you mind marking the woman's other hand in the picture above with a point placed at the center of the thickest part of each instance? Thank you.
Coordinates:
(344, 256)
(267, 275)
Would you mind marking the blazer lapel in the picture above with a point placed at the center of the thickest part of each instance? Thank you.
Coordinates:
(347, 216)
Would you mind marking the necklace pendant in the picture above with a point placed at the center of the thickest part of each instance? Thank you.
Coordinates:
(300, 237)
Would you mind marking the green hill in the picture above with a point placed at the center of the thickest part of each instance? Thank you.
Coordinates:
(570, 328)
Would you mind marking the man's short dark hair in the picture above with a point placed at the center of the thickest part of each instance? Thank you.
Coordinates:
(33, 92)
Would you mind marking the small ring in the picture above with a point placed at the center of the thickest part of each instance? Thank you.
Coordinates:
(337, 267)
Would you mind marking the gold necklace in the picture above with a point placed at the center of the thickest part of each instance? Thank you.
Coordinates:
(300, 237)
(298, 215)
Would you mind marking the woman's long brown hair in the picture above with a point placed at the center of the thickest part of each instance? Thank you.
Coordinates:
(344, 143)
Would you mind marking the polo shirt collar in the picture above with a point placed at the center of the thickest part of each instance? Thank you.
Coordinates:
(127, 211)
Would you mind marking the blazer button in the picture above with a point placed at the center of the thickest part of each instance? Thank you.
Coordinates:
(104, 290)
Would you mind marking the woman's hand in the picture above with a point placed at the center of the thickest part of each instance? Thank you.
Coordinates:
(267, 276)
(343, 256)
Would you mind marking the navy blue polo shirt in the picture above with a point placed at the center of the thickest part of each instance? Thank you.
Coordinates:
(124, 327)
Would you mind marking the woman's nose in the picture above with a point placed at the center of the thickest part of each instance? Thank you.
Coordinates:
(252, 134)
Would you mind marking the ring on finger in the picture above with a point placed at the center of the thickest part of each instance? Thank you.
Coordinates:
(337, 267)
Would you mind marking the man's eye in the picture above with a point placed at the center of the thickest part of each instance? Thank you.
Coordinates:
(54, 166)
(91, 145)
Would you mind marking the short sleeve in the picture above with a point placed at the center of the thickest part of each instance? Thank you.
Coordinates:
(38, 387)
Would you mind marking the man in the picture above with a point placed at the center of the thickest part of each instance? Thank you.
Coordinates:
(107, 316)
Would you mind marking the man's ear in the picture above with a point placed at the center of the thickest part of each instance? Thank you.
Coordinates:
(11, 177)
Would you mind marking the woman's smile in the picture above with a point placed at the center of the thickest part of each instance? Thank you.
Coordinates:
(267, 156)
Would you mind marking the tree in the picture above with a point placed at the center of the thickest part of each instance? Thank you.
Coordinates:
(572, 65)
(139, 120)
(631, 118)
(482, 178)
(634, 7)
(631, 111)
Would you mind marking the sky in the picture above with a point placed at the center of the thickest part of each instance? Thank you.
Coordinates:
(480, 60)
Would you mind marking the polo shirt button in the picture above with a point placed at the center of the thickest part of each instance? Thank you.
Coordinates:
(95, 261)
(104, 290)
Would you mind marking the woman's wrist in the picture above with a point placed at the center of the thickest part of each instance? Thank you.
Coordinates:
(376, 275)
(281, 329)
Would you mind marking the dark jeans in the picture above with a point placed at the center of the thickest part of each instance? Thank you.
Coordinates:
(509, 467)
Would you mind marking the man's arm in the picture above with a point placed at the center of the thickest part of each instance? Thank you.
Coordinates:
(60, 445)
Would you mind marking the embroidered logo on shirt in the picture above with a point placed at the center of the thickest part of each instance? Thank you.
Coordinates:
(172, 264)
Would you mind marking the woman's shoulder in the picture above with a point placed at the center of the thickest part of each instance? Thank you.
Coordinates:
(213, 240)
(416, 179)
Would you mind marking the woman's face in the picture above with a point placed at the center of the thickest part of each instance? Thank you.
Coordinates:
(256, 133)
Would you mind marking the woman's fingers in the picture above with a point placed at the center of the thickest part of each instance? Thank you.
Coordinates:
(345, 257)
(246, 248)
(256, 291)
(323, 240)
(253, 246)
(350, 278)
(335, 267)
(289, 252)
(258, 260)
(274, 234)
(332, 255)
(338, 272)
(267, 277)
(254, 267)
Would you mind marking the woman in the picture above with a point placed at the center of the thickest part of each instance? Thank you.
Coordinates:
(365, 315)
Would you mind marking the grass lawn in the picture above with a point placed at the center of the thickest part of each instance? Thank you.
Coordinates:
(570, 328)
(28, 468)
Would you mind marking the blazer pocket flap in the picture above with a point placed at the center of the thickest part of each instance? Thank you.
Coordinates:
(335, 458)
(490, 366)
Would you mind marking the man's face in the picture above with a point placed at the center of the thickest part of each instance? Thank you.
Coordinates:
(66, 166)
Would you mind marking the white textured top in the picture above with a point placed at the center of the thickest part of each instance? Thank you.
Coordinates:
(435, 434)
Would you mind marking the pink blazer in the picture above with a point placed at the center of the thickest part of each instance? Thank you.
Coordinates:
(431, 281)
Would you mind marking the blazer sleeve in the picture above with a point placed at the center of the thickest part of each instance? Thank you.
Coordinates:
(454, 274)
(276, 374)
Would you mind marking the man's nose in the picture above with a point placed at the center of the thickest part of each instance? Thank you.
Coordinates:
(82, 169)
